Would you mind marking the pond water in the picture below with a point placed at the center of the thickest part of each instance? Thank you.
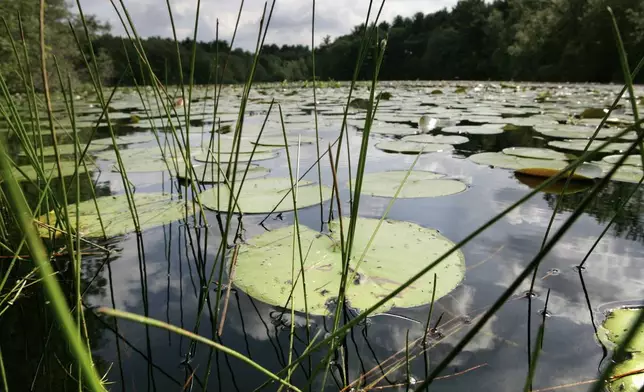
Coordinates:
(161, 275)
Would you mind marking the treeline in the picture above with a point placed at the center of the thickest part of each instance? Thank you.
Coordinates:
(214, 61)
(531, 40)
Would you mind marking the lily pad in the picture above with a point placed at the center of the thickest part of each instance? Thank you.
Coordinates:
(534, 167)
(262, 195)
(475, 129)
(153, 209)
(129, 139)
(613, 331)
(580, 145)
(436, 139)
(625, 173)
(28, 172)
(574, 186)
(264, 266)
(631, 160)
(211, 174)
(575, 132)
(204, 156)
(418, 184)
(392, 130)
(66, 149)
(278, 141)
(405, 147)
(536, 153)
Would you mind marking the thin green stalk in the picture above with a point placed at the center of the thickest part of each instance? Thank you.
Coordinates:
(315, 111)
(160, 324)
(537, 350)
(5, 383)
(52, 288)
(296, 220)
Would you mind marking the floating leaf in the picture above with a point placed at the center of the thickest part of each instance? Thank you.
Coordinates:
(404, 147)
(28, 172)
(153, 209)
(574, 186)
(593, 113)
(436, 139)
(211, 173)
(536, 153)
(262, 195)
(475, 129)
(66, 149)
(393, 130)
(613, 332)
(580, 145)
(278, 141)
(264, 266)
(531, 166)
(384, 96)
(146, 165)
(631, 160)
(436, 92)
(575, 132)
(204, 156)
(359, 103)
(418, 184)
(129, 139)
(624, 173)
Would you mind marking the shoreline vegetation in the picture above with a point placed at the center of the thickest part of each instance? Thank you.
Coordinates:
(518, 40)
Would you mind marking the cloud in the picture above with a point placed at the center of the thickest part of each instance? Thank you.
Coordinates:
(290, 24)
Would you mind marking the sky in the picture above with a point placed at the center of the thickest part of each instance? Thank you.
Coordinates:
(290, 24)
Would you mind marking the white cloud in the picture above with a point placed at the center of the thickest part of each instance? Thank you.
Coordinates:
(291, 21)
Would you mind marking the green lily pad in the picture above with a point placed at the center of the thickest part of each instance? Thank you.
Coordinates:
(211, 174)
(262, 195)
(278, 141)
(536, 153)
(534, 167)
(66, 149)
(593, 113)
(153, 209)
(625, 173)
(631, 160)
(580, 145)
(392, 130)
(140, 154)
(146, 165)
(204, 156)
(129, 139)
(475, 129)
(575, 132)
(471, 120)
(418, 184)
(632, 382)
(404, 147)
(613, 331)
(264, 266)
(436, 139)
(225, 146)
(28, 172)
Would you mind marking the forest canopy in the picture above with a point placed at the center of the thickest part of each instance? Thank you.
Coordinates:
(522, 40)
